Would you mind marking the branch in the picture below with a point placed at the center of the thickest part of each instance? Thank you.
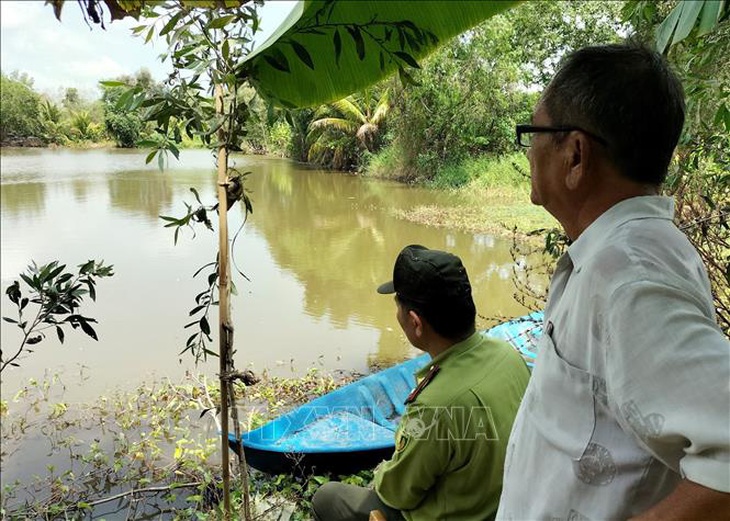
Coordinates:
(708, 218)
(143, 491)
(26, 334)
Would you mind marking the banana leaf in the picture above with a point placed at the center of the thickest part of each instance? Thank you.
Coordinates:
(327, 49)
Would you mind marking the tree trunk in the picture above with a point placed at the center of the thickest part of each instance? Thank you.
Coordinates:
(224, 309)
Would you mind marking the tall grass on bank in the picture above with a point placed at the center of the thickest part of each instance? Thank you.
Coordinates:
(510, 170)
(494, 193)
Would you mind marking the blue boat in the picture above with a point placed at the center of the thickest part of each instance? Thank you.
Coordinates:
(353, 428)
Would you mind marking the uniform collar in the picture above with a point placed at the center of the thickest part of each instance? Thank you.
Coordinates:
(634, 208)
(457, 348)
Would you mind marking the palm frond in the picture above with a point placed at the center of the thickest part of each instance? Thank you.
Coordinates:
(348, 127)
(350, 110)
(382, 109)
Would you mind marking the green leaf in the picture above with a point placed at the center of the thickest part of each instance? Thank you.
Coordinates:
(86, 328)
(226, 49)
(220, 23)
(29, 281)
(86, 267)
(13, 292)
(690, 13)
(201, 269)
(196, 194)
(357, 38)
(175, 151)
(112, 83)
(408, 59)
(439, 21)
(146, 143)
(212, 278)
(710, 15)
(64, 278)
(338, 46)
(666, 28)
(92, 290)
(34, 339)
(123, 102)
(53, 274)
(170, 25)
(303, 54)
(205, 326)
(277, 60)
(45, 271)
(11, 320)
(60, 334)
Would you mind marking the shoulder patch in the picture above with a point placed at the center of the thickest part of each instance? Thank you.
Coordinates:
(423, 383)
(401, 440)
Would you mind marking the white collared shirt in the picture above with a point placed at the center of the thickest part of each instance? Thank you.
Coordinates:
(631, 387)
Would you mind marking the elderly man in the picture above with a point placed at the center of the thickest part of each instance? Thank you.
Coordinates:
(450, 444)
(627, 414)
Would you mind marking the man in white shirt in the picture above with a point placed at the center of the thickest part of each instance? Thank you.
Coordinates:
(627, 414)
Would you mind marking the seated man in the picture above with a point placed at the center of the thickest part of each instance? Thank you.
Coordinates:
(450, 444)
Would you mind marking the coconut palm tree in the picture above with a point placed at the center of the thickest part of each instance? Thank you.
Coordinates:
(343, 129)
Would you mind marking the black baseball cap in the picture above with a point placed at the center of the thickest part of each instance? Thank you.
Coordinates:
(430, 277)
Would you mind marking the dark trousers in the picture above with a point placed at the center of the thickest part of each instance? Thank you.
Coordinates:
(335, 501)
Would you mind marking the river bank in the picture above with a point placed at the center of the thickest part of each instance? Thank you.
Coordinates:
(150, 450)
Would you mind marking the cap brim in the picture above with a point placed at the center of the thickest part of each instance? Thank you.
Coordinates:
(387, 288)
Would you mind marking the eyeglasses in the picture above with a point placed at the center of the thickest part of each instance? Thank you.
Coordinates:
(525, 132)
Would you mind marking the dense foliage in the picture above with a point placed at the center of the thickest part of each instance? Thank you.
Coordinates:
(20, 107)
(125, 126)
(33, 119)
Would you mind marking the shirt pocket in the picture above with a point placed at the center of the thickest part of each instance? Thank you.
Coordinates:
(561, 402)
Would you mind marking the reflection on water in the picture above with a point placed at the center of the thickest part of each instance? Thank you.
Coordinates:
(21, 200)
(314, 250)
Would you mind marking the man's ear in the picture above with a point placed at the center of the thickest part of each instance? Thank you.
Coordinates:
(577, 155)
(416, 323)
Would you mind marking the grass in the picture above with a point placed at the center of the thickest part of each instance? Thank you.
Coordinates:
(493, 195)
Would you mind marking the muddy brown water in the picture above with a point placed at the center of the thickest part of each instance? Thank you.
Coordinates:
(315, 248)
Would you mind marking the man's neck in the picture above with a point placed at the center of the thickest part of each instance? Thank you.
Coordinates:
(600, 199)
(439, 345)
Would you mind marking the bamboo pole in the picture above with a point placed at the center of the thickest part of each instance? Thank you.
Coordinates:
(224, 310)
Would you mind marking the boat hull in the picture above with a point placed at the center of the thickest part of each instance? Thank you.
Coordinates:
(353, 428)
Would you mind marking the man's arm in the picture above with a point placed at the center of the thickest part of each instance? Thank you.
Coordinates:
(421, 456)
(689, 501)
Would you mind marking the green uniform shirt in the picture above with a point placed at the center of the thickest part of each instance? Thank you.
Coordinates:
(452, 439)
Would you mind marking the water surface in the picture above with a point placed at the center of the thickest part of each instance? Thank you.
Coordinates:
(313, 252)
